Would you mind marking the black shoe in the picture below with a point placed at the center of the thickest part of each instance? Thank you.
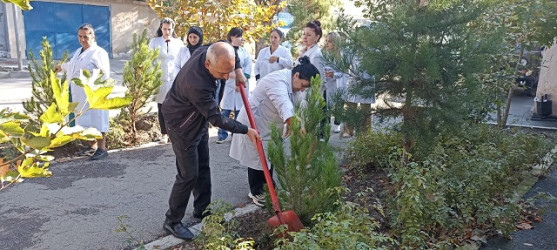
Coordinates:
(99, 154)
(201, 216)
(178, 230)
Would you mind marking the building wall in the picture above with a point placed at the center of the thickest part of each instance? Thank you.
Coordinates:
(127, 17)
(3, 34)
(547, 83)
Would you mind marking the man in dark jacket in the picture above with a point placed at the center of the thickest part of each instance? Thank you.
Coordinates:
(188, 107)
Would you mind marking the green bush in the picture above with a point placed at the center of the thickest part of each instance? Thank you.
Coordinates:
(373, 148)
(218, 235)
(348, 227)
(466, 182)
(119, 134)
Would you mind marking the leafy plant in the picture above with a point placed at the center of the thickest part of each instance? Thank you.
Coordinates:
(523, 25)
(309, 169)
(33, 146)
(462, 185)
(348, 227)
(41, 81)
(123, 228)
(142, 78)
(23, 4)
(220, 234)
(218, 17)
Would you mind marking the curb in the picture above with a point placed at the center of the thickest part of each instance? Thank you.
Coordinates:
(537, 171)
(171, 241)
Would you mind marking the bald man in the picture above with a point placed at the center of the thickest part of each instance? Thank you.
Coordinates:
(188, 108)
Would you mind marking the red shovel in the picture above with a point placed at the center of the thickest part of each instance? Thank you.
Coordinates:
(281, 218)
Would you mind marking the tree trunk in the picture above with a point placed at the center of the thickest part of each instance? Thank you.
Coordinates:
(503, 122)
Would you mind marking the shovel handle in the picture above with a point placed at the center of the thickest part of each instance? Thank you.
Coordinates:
(268, 179)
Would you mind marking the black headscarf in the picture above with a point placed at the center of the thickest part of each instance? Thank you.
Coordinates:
(195, 30)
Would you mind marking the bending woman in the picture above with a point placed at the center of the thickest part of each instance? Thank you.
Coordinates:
(271, 102)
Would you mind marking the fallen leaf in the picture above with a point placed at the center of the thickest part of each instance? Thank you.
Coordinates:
(538, 219)
(524, 226)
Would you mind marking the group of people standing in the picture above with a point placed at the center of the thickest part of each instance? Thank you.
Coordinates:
(200, 85)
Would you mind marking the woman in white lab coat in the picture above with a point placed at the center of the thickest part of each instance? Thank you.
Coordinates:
(273, 58)
(194, 40)
(312, 35)
(168, 46)
(271, 103)
(93, 58)
(231, 98)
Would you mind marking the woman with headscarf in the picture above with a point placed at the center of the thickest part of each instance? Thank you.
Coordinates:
(273, 58)
(168, 46)
(194, 39)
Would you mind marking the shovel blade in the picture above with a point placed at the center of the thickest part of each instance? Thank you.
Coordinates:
(289, 218)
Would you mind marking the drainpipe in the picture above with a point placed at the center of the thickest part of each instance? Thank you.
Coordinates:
(17, 45)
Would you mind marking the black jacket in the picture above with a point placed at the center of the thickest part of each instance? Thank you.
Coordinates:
(190, 103)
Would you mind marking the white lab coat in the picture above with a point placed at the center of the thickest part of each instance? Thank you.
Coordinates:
(167, 53)
(231, 99)
(263, 67)
(315, 58)
(271, 102)
(181, 59)
(94, 59)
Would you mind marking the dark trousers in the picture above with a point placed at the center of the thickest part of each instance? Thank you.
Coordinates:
(256, 180)
(194, 175)
(161, 119)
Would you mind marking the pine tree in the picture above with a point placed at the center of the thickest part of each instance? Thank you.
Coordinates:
(41, 81)
(309, 171)
(425, 57)
(142, 77)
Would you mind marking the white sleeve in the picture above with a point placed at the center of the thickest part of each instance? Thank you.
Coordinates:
(259, 61)
(318, 63)
(278, 95)
(182, 57)
(152, 44)
(286, 59)
(102, 62)
(248, 65)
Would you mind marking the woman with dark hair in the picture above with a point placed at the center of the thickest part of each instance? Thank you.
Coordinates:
(194, 40)
(93, 58)
(311, 36)
(273, 58)
(271, 103)
(168, 46)
(231, 99)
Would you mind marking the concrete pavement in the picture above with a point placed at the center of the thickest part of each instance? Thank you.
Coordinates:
(78, 207)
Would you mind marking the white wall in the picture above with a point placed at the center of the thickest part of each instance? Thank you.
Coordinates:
(547, 83)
